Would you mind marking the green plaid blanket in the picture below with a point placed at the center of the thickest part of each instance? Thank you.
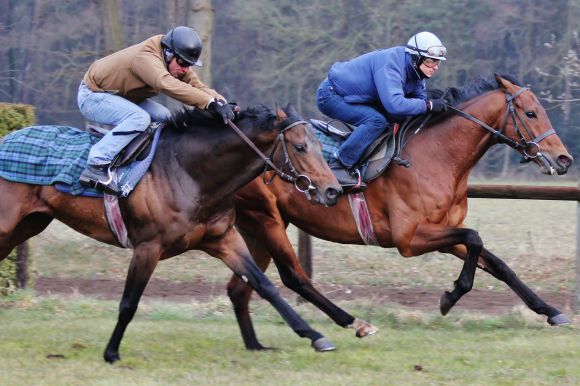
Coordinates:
(330, 143)
(47, 155)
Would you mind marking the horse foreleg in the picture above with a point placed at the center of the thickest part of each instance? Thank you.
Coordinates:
(500, 270)
(272, 242)
(232, 250)
(431, 237)
(142, 265)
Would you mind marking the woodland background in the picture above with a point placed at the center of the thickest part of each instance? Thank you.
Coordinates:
(267, 52)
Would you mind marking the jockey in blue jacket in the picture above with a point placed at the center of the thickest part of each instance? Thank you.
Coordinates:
(375, 89)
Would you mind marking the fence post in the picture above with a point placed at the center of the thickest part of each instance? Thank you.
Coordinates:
(305, 252)
(22, 265)
(576, 300)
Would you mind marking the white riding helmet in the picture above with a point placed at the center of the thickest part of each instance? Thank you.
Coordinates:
(427, 45)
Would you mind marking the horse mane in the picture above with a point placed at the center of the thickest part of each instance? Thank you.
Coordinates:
(479, 86)
(193, 119)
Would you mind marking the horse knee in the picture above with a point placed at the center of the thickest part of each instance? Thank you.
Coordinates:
(291, 278)
(238, 292)
(473, 241)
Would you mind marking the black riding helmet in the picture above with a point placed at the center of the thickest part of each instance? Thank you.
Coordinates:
(185, 43)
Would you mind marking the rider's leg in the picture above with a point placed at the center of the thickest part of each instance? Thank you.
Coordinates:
(369, 122)
(110, 109)
(157, 111)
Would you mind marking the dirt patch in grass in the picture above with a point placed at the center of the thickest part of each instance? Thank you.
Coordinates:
(480, 300)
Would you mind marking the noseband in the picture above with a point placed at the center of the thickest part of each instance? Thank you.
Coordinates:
(301, 182)
(523, 144)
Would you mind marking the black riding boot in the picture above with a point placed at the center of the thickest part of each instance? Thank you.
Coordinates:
(350, 180)
(98, 177)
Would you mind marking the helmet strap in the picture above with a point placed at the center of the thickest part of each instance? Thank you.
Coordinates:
(167, 55)
(417, 60)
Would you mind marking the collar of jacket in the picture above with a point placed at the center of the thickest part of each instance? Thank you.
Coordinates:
(411, 72)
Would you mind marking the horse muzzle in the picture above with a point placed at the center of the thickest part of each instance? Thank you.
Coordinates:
(554, 165)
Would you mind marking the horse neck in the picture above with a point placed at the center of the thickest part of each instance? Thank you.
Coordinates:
(465, 142)
(222, 162)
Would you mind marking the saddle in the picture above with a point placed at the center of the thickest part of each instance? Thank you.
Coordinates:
(378, 156)
(137, 150)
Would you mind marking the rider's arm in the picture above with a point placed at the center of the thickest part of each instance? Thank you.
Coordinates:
(153, 72)
(389, 74)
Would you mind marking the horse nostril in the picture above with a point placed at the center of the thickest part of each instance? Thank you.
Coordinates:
(565, 161)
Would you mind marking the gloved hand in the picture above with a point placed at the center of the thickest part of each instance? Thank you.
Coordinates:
(222, 110)
(235, 108)
(438, 105)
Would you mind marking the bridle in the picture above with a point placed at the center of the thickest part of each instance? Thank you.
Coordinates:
(523, 145)
(301, 182)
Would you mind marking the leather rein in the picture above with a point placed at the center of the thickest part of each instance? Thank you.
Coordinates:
(301, 182)
(527, 147)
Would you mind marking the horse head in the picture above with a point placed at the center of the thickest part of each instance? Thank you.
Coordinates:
(258, 140)
(299, 153)
(527, 124)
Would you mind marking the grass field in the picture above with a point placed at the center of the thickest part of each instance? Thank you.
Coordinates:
(51, 341)
(59, 341)
(536, 238)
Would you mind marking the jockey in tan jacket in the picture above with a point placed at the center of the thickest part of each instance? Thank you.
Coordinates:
(116, 91)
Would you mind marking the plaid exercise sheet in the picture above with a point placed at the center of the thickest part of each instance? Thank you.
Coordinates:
(330, 143)
(47, 155)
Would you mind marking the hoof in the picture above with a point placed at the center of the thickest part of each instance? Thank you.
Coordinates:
(445, 304)
(363, 328)
(111, 357)
(559, 320)
(323, 344)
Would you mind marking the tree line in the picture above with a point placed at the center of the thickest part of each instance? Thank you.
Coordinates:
(265, 52)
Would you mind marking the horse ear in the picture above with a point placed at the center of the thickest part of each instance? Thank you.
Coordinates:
(502, 82)
(291, 109)
(280, 114)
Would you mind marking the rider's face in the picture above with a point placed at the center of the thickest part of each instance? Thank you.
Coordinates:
(429, 66)
(175, 69)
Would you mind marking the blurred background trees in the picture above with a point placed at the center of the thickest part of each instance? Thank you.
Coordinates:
(260, 51)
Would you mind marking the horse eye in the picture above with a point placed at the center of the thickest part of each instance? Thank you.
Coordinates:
(300, 148)
(531, 114)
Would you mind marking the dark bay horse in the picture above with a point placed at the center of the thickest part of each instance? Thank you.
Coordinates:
(416, 210)
(185, 201)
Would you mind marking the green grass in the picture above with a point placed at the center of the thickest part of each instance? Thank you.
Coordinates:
(199, 343)
(51, 341)
(536, 238)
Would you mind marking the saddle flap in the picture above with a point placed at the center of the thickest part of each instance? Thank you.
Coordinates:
(378, 157)
(138, 148)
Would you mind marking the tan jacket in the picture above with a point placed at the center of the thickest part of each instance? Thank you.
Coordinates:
(139, 72)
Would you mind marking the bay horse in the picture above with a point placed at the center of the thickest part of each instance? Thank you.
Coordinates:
(416, 210)
(185, 201)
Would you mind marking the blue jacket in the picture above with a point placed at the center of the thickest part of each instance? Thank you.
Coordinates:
(386, 76)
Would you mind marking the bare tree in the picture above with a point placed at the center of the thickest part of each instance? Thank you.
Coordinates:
(112, 25)
(200, 18)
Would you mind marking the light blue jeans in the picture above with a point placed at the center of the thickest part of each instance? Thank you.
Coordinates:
(129, 119)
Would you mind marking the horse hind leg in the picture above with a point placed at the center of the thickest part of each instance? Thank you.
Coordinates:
(500, 270)
(15, 231)
(240, 294)
(432, 237)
